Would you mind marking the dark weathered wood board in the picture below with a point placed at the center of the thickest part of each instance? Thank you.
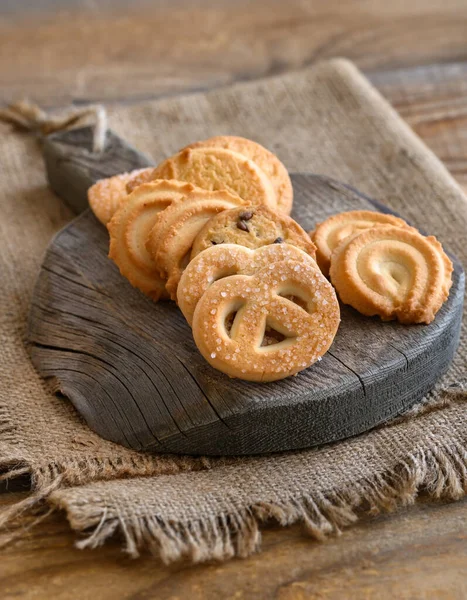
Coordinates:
(132, 370)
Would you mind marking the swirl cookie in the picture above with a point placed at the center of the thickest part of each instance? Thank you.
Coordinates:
(331, 232)
(266, 161)
(129, 229)
(229, 259)
(219, 169)
(298, 334)
(105, 195)
(392, 272)
(174, 230)
(252, 227)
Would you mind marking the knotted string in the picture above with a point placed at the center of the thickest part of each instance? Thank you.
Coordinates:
(29, 117)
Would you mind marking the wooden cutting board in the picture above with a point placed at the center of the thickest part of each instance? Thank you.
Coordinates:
(132, 370)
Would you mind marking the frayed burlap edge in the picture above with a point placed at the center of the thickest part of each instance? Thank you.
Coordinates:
(439, 471)
(68, 472)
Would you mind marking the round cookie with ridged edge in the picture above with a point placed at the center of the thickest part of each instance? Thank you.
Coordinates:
(331, 232)
(171, 238)
(105, 195)
(216, 169)
(252, 227)
(266, 161)
(140, 177)
(129, 229)
(392, 272)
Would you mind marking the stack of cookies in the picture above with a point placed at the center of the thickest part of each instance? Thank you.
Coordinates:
(210, 229)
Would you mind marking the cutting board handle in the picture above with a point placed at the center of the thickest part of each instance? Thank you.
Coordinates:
(72, 166)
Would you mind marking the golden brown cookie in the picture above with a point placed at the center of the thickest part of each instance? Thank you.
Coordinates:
(331, 232)
(175, 229)
(252, 227)
(139, 177)
(219, 169)
(129, 230)
(266, 161)
(230, 259)
(247, 327)
(106, 194)
(392, 272)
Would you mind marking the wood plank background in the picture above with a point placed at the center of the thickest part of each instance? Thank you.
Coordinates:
(114, 51)
(419, 553)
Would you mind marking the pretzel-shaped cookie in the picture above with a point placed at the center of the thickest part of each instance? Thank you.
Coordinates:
(392, 272)
(299, 333)
(331, 232)
(129, 229)
(172, 236)
(225, 260)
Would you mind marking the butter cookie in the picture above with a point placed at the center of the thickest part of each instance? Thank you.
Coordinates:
(392, 272)
(331, 232)
(105, 195)
(218, 169)
(229, 259)
(129, 229)
(140, 177)
(266, 161)
(247, 327)
(174, 230)
(253, 227)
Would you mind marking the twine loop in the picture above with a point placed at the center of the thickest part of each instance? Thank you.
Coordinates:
(27, 116)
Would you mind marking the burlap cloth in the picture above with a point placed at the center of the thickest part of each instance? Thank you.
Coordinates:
(328, 120)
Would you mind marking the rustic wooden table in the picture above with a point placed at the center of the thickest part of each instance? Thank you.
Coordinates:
(57, 52)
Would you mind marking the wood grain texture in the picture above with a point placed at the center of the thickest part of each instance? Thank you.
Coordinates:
(418, 553)
(88, 51)
(414, 53)
(433, 100)
(132, 370)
